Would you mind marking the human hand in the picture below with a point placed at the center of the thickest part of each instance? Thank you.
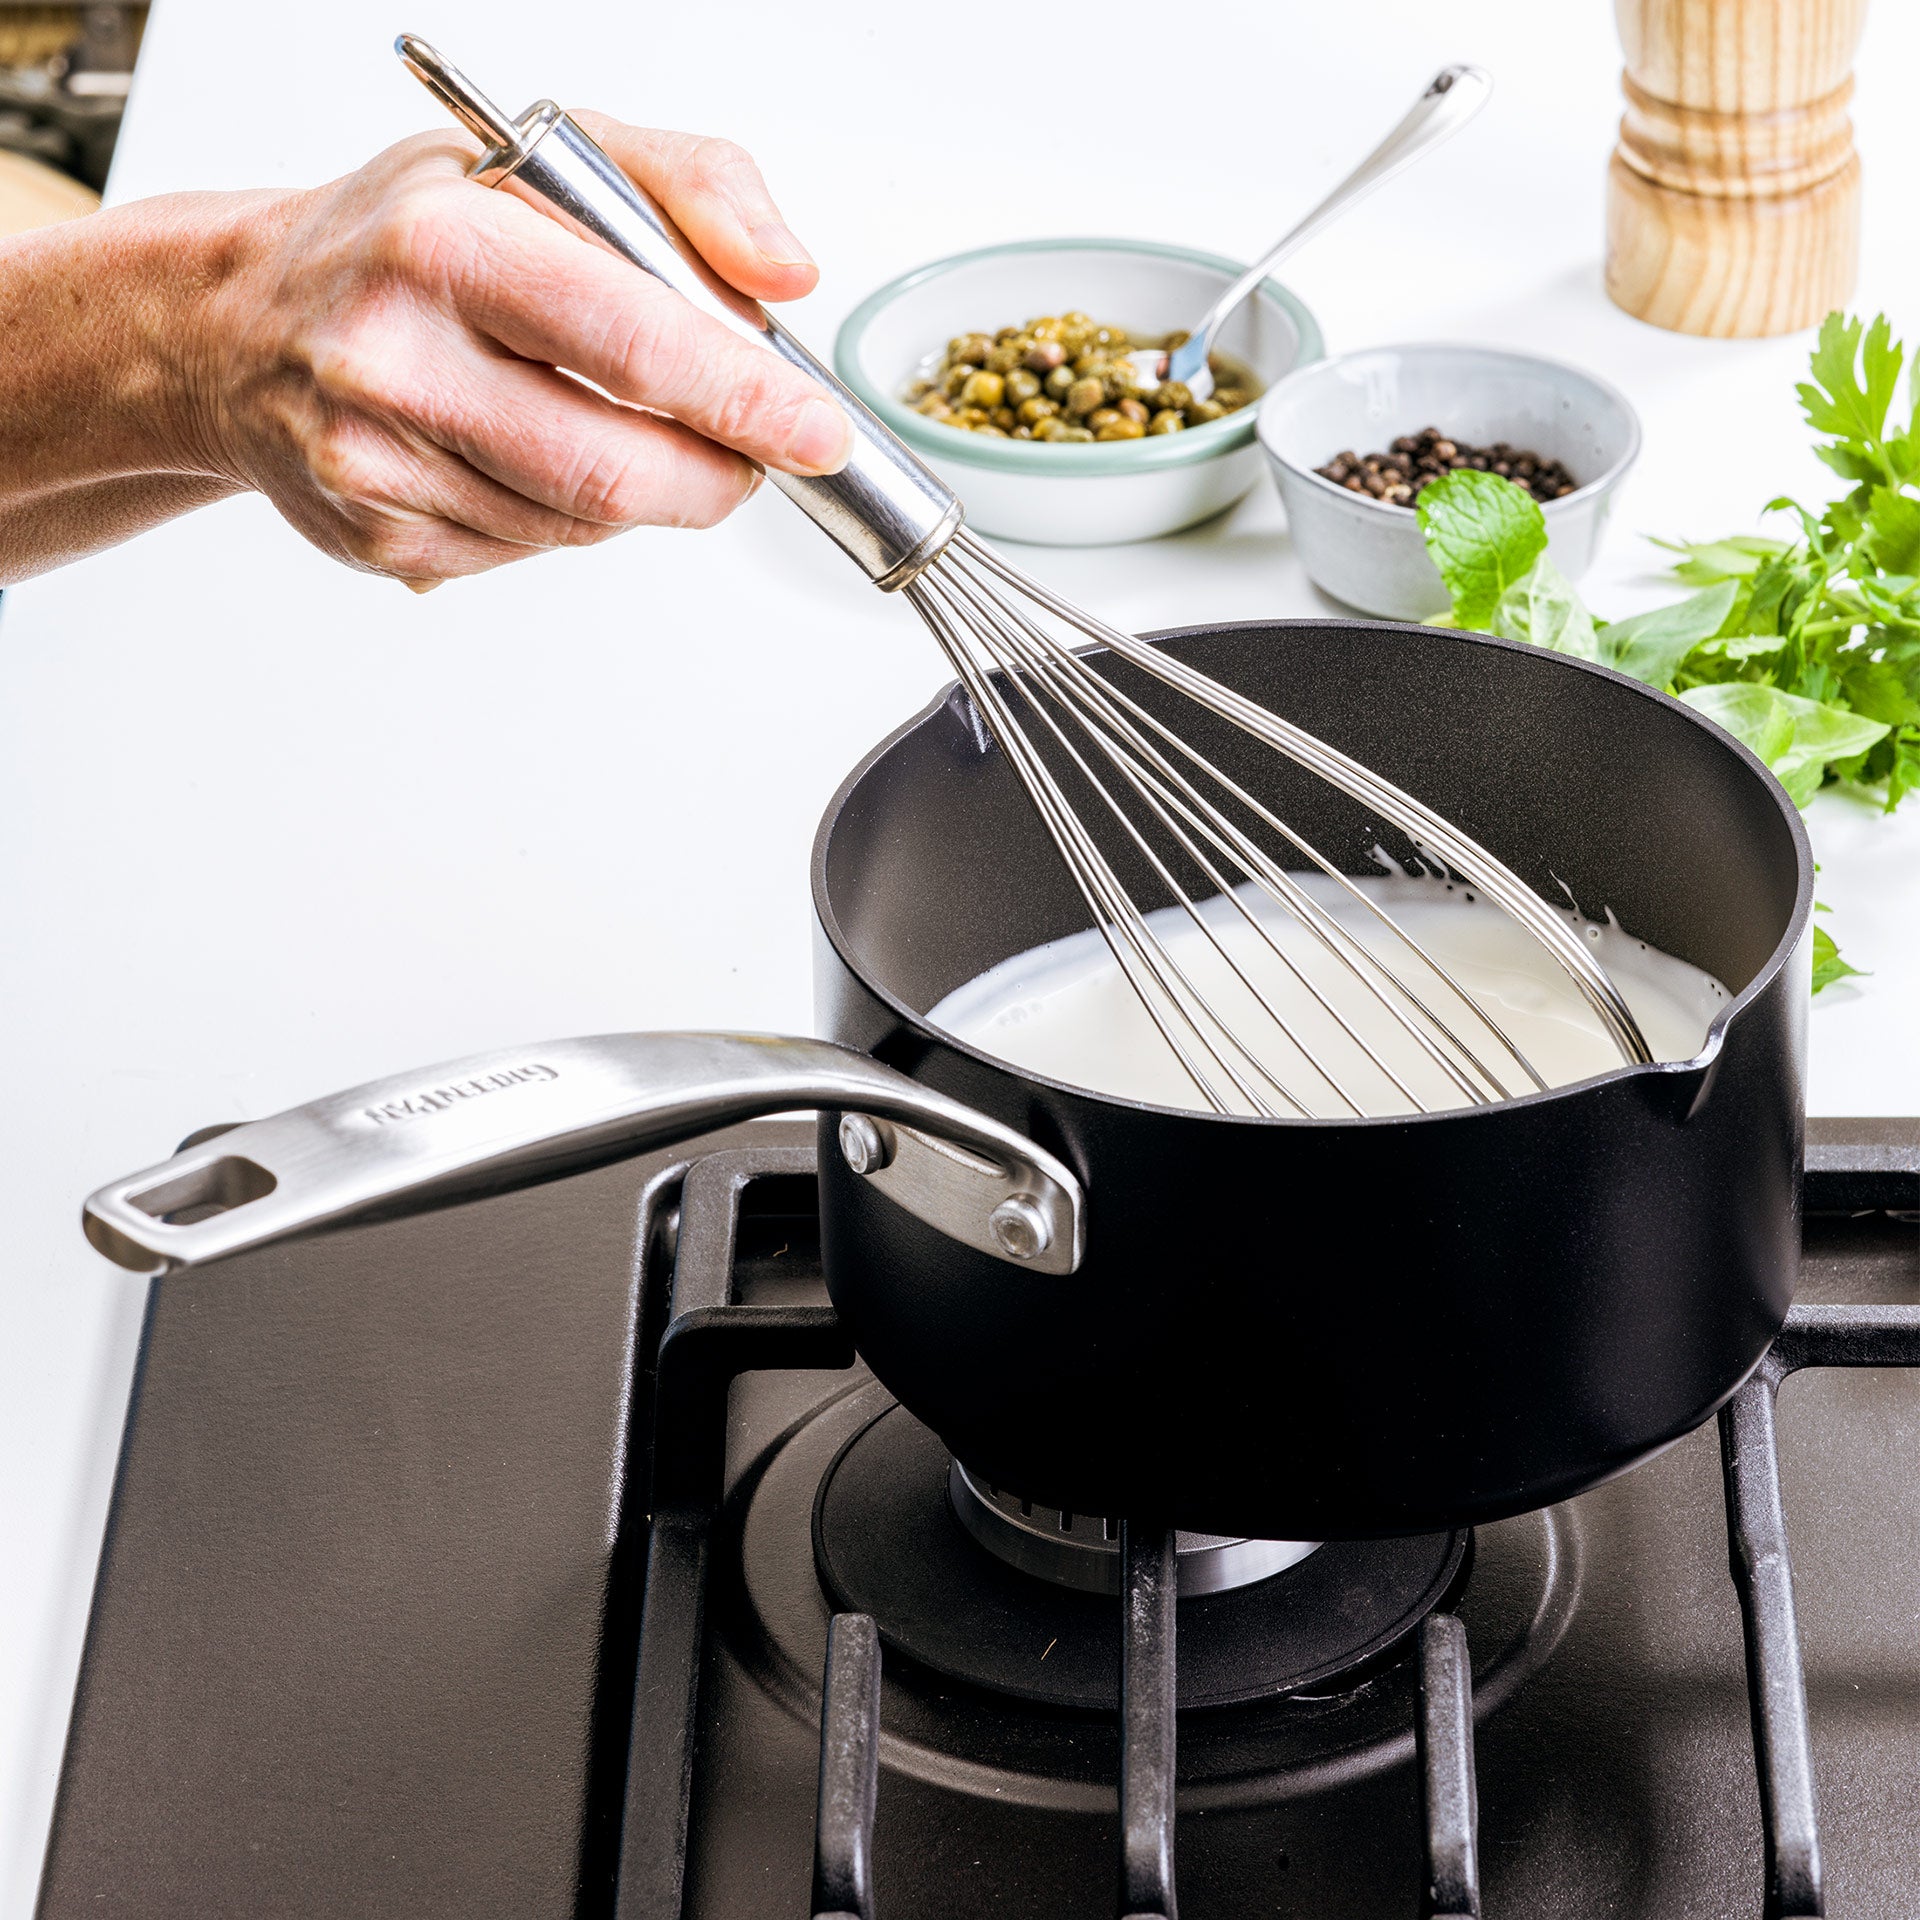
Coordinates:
(391, 360)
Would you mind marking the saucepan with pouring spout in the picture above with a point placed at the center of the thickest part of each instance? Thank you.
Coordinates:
(1279, 1328)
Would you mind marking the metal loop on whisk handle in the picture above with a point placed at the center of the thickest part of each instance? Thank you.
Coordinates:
(887, 510)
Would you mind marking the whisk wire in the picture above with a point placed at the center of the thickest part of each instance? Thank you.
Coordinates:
(1023, 658)
(1272, 880)
(1432, 832)
(1279, 886)
(1029, 668)
(1123, 928)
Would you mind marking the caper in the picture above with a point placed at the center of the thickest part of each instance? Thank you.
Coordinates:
(1084, 395)
(1066, 377)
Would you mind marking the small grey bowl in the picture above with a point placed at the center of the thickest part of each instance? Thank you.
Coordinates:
(1371, 556)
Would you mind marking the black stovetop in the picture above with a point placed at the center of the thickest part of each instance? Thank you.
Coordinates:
(402, 1612)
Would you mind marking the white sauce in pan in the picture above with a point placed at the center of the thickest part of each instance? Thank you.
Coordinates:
(1065, 1009)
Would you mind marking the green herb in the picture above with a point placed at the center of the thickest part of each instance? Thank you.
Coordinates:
(1828, 966)
(1806, 649)
(1486, 536)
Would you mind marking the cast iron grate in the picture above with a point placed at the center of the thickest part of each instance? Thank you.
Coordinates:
(710, 1340)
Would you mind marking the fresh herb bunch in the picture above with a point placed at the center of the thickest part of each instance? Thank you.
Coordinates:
(1808, 650)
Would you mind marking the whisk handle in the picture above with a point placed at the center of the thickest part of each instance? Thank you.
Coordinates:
(887, 510)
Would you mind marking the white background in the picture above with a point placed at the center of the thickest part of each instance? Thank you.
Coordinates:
(268, 828)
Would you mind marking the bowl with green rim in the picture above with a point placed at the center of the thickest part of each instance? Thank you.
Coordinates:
(1074, 495)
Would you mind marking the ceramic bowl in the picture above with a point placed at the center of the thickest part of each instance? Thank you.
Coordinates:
(1074, 496)
(1371, 556)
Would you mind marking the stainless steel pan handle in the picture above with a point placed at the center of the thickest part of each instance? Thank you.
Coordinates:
(501, 1120)
(885, 508)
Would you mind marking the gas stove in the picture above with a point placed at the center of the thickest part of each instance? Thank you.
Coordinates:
(555, 1555)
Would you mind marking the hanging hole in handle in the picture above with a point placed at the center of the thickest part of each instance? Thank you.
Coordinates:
(218, 1187)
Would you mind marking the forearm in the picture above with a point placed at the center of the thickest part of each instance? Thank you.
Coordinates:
(103, 373)
(50, 529)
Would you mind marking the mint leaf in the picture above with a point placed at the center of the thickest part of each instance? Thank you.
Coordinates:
(1651, 646)
(1828, 966)
(1892, 531)
(1483, 533)
(1541, 607)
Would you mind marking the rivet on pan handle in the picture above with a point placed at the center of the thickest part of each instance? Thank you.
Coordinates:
(495, 1121)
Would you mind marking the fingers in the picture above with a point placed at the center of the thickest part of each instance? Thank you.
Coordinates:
(563, 449)
(546, 295)
(717, 198)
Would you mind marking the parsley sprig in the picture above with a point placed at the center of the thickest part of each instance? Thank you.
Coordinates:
(1806, 648)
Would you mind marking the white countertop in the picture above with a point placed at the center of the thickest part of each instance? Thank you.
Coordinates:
(268, 828)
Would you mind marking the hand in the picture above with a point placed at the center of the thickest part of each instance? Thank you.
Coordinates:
(390, 359)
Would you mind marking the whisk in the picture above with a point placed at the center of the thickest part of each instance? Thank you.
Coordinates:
(1013, 645)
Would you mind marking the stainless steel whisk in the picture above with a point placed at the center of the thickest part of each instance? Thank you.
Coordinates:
(1012, 644)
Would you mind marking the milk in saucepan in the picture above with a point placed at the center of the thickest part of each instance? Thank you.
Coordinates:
(1065, 1010)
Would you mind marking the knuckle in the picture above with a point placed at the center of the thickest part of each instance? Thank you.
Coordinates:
(584, 533)
(383, 544)
(608, 488)
(715, 164)
(353, 365)
(657, 351)
(417, 234)
(344, 463)
(707, 506)
(756, 407)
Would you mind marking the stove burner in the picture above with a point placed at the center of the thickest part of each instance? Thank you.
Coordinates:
(1083, 1550)
(887, 1543)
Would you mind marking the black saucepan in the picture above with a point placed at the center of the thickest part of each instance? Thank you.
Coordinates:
(1282, 1328)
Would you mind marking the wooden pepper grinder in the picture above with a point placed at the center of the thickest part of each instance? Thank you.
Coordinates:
(1733, 198)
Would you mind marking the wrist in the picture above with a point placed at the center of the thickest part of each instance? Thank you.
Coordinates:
(189, 267)
(114, 356)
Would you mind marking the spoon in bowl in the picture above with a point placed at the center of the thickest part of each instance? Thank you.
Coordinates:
(1452, 98)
